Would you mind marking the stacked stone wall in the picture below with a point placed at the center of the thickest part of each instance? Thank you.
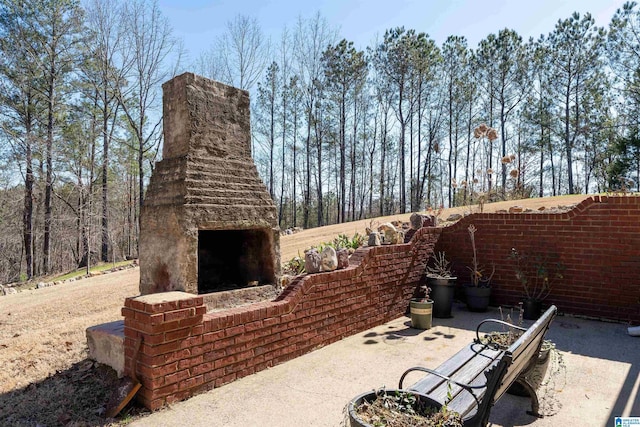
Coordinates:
(207, 180)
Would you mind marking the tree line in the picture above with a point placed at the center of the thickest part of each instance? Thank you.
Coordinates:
(339, 133)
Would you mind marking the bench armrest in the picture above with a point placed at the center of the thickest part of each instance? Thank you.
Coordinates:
(467, 387)
(500, 322)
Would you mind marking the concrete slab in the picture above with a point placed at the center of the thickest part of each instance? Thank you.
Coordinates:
(598, 377)
(164, 297)
(106, 344)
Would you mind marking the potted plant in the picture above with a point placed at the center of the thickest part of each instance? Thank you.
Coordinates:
(421, 309)
(478, 292)
(504, 339)
(399, 408)
(442, 284)
(536, 273)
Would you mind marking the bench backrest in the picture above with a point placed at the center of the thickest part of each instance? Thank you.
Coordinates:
(525, 351)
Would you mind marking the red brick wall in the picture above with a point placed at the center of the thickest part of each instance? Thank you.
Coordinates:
(598, 242)
(185, 350)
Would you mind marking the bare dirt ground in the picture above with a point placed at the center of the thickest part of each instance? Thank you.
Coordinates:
(43, 350)
(46, 377)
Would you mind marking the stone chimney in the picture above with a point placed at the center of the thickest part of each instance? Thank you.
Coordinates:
(208, 222)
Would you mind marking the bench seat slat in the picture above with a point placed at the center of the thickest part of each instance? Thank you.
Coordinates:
(467, 374)
(468, 367)
(478, 355)
(464, 403)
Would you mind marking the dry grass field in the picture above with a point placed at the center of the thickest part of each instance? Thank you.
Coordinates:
(46, 377)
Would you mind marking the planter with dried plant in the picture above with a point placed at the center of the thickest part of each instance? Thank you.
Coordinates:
(442, 283)
(478, 291)
(538, 368)
(399, 408)
(537, 273)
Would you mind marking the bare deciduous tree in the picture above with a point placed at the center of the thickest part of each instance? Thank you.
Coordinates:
(103, 18)
(146, 51)
(311, 37)
(244, 52)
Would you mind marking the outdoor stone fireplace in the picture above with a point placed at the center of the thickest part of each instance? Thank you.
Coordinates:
(208, 222)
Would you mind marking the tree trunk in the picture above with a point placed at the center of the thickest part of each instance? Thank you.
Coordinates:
(467, 177)
(130, 209)
(318, 132)
(542, 144)
(140, 172)
(419, 180)
(88, 202)
(104, 249)
(353, 159)
(383, 161)
(27, 215)
(503, 120)
(307, 184)
(411, 176)
(46, 247)
(272, 139)
(450, 163)
(284, 132)
(403, 126)
(371, 161)
(490, 156)
(343, 148)
(567, 140)
(293, 172)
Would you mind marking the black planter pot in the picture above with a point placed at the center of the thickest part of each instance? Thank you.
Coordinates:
(532, 309)
(442, 291)
(356, 421)
(477, 298)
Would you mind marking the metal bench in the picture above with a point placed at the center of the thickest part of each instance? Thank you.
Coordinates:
(476, 377)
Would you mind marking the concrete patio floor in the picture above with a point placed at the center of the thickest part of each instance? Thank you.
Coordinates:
(600, 378)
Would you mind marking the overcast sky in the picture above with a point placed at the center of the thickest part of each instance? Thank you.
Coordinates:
(198, 22)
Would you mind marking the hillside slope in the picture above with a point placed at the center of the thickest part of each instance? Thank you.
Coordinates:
(295, 244)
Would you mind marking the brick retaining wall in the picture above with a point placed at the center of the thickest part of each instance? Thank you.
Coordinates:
(185, 350)
(598, 242)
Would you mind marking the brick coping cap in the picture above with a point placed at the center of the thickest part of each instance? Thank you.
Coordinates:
(164, 297)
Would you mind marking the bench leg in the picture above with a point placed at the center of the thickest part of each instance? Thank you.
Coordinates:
(529, 388)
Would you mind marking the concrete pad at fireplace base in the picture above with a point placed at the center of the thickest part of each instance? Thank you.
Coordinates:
(165, 297)
(106, 344)
(106, 341)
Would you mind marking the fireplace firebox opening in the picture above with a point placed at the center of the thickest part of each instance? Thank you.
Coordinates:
(232, 259)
